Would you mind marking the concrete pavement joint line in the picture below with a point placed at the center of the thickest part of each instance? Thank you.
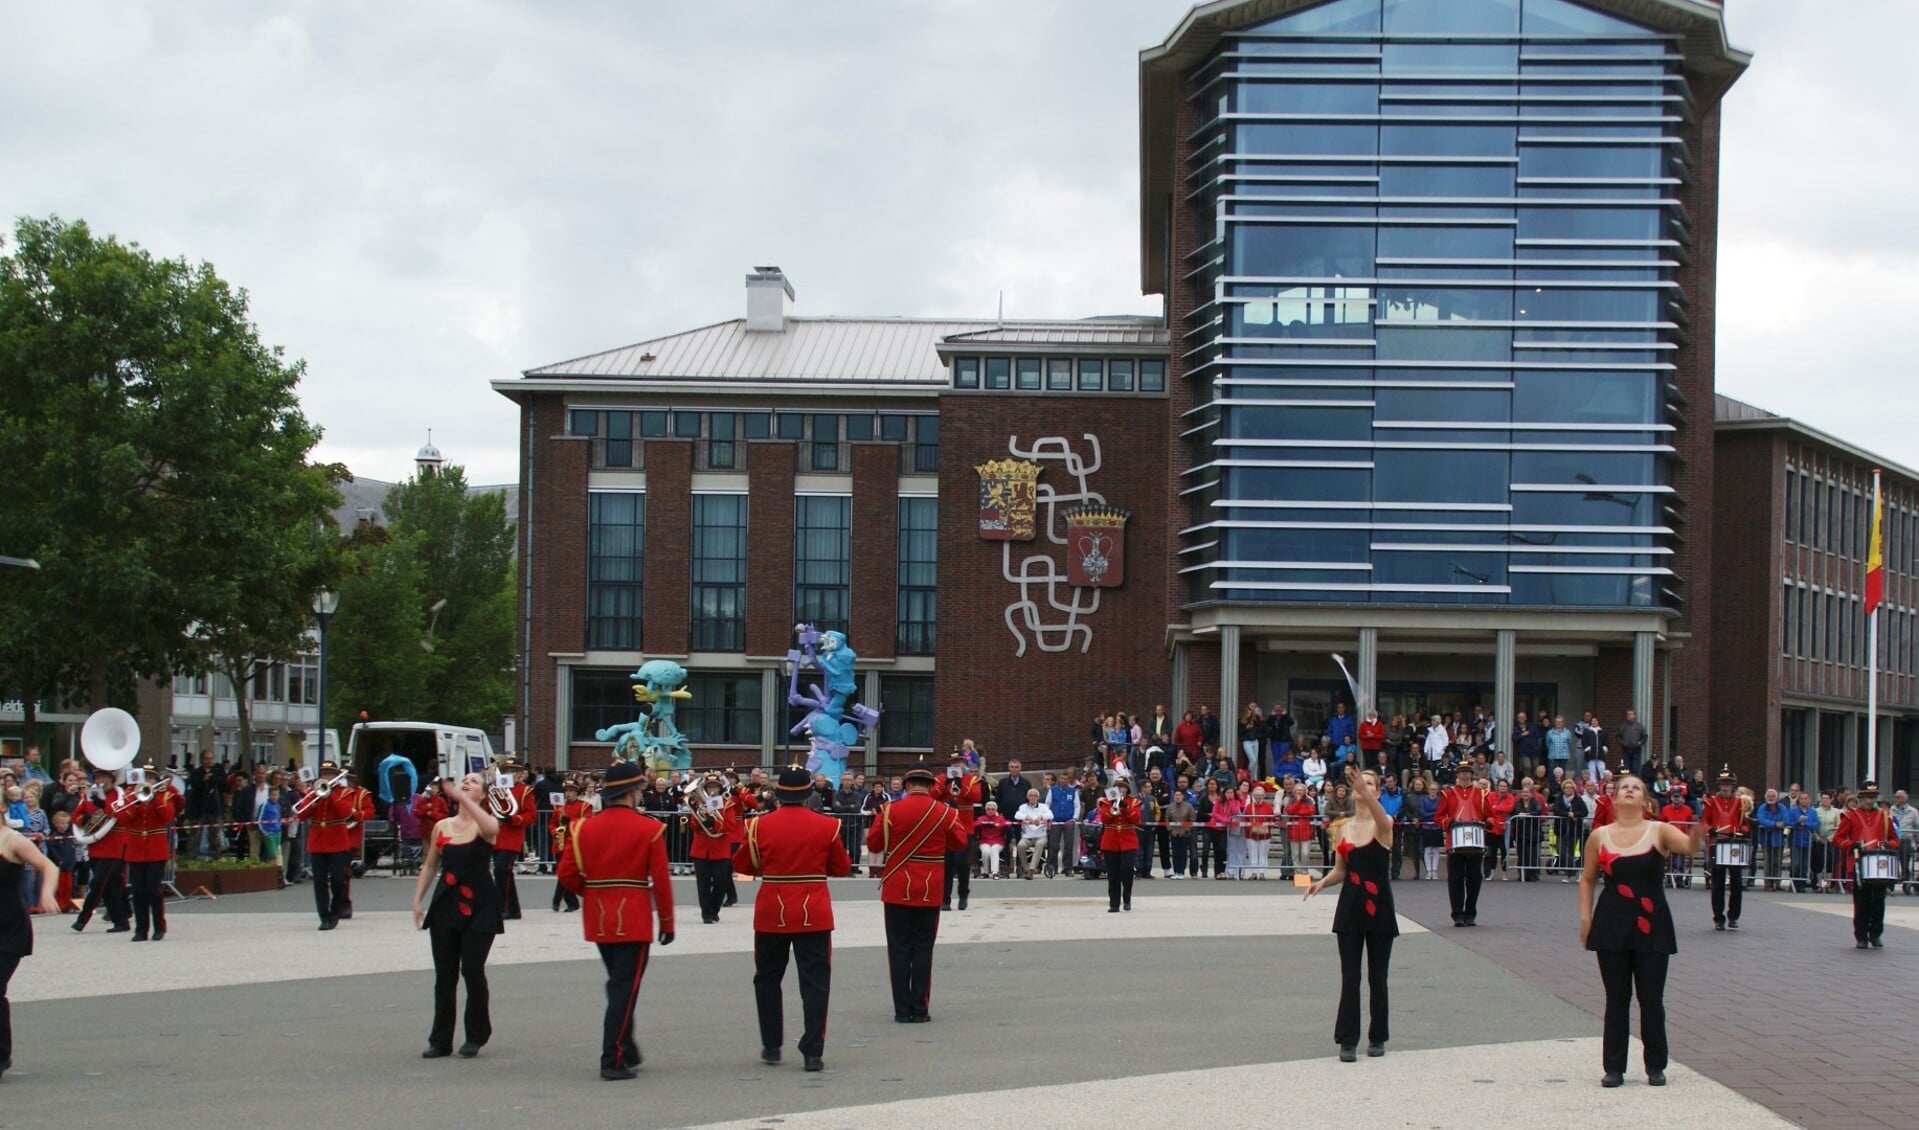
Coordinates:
(1560, 1076)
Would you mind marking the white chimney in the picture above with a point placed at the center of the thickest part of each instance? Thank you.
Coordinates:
(769, 297)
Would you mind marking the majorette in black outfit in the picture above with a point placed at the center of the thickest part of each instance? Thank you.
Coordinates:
(1364, 921)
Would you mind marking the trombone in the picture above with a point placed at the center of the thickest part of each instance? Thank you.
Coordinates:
(318, 792)
(158, 779)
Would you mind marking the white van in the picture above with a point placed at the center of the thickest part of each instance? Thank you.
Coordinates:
(310, 749)
(435, 750)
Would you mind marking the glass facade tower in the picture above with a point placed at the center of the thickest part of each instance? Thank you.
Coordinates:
(1438, 307)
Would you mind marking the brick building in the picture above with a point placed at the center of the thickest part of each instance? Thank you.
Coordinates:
(1430, 393)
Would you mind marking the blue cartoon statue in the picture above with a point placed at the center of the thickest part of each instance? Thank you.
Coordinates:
(827, 724)
(652, 738)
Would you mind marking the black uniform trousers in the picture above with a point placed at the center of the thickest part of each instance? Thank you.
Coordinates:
(813, 953)
(959, 869)
(1119, 878)
(1379, 954)
(910, 933)
(1725, 881)
(1625, 972)
(710, 877)
(562, 895)
(146, 881)
(503, 862)
(1869, 911)
(726, 880)
(460, 955)
(108, 889)
(1463, 877)
(625, 966)
(329, 883)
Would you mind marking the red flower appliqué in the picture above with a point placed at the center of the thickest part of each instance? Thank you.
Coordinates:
(451, 881)
(1344, 849)
(1645, 904)
(1645, 926)
(1625, 891)
(467, 910)
(1606, 856)
(1370, 908)
(466, 892)
(1371, 887)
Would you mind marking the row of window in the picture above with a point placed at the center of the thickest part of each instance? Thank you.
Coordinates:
(1060, 374)
(726, 708)
(1831, 627)
(822, 569)
(619, 435)
(1835, 517)
(296, 683)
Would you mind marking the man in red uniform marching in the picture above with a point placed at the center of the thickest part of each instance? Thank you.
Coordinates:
(511, 844)
(1118, 839)
(963, 791)
(716, 829)
(1867, 828)
(326, 810)
(913, 834)
(617, 861)
(359, 807)
(568, 815)
(1463, 803)
(149, 828)
(1725, 818)
(793, 850)
(107, 851)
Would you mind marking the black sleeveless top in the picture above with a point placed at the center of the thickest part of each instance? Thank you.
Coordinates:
(16, 929)
(1631, 913)
(1366, 897)
(464, 897)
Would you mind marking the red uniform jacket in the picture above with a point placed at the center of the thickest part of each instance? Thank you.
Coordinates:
(969, 794)
(513, 828)
(914, 833)
(429, 809)
(565, 821)
(793, 849)
(326, 822)
(1859, 828)
(745, 803)
(1457, 803)
(360, 810)
(113, 845)
(1602, 810)
(148, 826)
(1725, 816)
(727, 829)
(1117, 825)
(615, 861)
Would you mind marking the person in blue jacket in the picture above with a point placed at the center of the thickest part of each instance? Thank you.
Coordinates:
(1801, 822)
(1062, 835)
(1771, 818)
(1340, 728)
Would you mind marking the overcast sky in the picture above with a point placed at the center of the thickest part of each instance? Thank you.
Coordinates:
(423, 197)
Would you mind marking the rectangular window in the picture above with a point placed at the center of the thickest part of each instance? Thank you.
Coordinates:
(719, 572)
(720, 431)
(918, 575)
(822, 553)
(724, 710)
(1152, 376)
(790, 425)
(616, 532)
(1832, 628)
(756, 425)
(617, 449)
(583, 422)
(601, 698)
(1091, 372)
(1026, 373)
(906, 720)
(1119, 376)
(859, 426)
(1059, 374)
(652, 424)
(1792, 505)
(826, 443)
(926, 445)
(965, 372)
(686, 425)
(997, 371)
(1788, 621)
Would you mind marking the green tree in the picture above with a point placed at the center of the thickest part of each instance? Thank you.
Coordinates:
(156, 462)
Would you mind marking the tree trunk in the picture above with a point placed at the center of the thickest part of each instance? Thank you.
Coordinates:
(241, 712)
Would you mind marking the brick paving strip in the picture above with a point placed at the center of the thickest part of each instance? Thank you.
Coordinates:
(1785, 1010)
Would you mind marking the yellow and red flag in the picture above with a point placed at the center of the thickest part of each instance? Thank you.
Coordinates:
(1875, 562)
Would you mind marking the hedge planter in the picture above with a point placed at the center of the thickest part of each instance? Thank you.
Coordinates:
(227, 880)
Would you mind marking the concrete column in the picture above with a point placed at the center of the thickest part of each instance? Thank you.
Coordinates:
(1176, 702)
(1368, 673)
(1505, 675)
(1642, 674)
(870, 694)
(1661, 733)
(562, 716)
(1813, 782)
(1229, 698)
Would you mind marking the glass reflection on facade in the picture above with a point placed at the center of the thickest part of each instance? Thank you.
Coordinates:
(1437, 306)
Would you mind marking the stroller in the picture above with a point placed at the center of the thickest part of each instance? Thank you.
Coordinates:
(1092, 862)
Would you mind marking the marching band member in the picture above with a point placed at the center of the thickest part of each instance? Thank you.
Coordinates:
(617, 860)
(568, 815)
(511, 844)
(1724, 817)
(1463, 803)
(147, 815)
(429, 808)
(745, 799)
(326, 810)
(1866, 828)
(1118, 839)
(107, 854)
(1364, 920)
(359, 805)
(464, 917)
(963, 791)
(713, 826)
(913, 834)
(793, 850)
(17, 854)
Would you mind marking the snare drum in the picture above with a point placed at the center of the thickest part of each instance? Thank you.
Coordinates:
(1732, 853)
(1465, 836)
(1877, 865)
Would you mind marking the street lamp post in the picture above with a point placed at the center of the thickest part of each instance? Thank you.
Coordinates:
(325, 603)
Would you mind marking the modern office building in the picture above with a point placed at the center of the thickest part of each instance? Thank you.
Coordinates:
(1792, 520)
(1432, 392)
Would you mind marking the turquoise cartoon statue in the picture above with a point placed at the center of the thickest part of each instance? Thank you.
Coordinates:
(653, 739)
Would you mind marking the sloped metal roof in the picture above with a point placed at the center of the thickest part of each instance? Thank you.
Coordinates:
(1726, 408)
(1145, 333)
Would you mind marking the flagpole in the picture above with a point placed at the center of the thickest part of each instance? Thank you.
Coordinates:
(1872, 649)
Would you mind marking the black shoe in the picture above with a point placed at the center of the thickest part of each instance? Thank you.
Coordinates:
(79, 926)
(946, 906)
(1860, 944)
(346, 912)
(139, 937)
(769, 1055)
(1655, 1078)
(160, 935)
(618, 1073)
(921, 1018)
(1348, 1053)
(1719, 926)
(815, 1063)
(900, 1019)
(1459, 920)
(511, 914)
(962, 902)
(328, 923)
(1732, 924)
(433, 1052)
(731, 900)
(469, 1049)
(1374, 1051)
(1876, 943)
(713, 921)
(1612, 1079)
(118, 929)
(1127, 907)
